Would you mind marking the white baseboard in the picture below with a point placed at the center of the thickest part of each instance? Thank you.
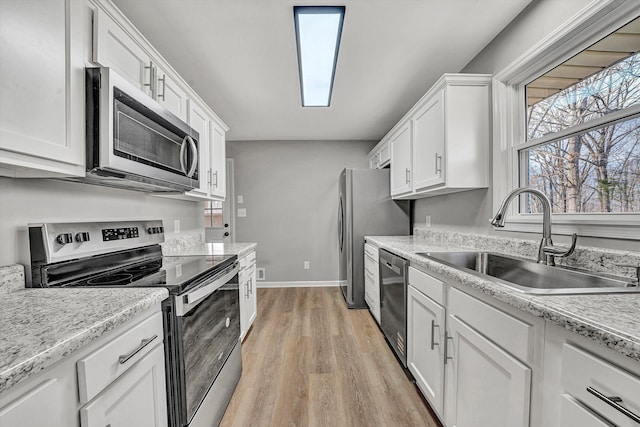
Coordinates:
(298, 284)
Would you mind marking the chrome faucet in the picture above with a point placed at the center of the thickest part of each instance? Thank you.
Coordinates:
(547, 251)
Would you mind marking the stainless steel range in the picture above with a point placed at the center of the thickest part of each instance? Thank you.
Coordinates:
(201, 315)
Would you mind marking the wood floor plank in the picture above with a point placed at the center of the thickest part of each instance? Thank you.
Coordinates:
(308, 361)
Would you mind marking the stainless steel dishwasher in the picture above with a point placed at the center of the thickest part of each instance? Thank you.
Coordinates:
(393, 302)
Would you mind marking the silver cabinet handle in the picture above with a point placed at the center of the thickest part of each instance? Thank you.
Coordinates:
(145, 342)
(194, 154)
(215, 181)
(447, 337)
(433, 330)
(246, 290)
(208, 177)
(152, 79)
(163, 79)
(407, 176)
(614, 402)
(438, 164)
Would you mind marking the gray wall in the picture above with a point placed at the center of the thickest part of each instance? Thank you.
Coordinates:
(470, 211)
(290, 191)
(23, 201)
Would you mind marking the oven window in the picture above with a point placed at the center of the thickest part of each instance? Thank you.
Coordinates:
(210, 332)
(144, 139)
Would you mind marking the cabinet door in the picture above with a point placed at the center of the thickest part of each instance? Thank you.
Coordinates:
(137, 398)
(485, 386)
(114, 48)
(253, 300)
(199, 121)
(170, 95)
(218, 162)
(401, 161)
(428, 143)
(425, 348)
(38, 407)
(42, 78)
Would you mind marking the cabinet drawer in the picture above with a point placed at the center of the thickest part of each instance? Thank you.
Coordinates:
(582, 371)
(431, 287)
(510, 333)
(574, 414)
(103, 366)
(371, 251)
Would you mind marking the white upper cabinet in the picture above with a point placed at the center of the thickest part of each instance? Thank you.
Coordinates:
(113, 47)
(218, 161)
(428, 143)
(170, 95)
(401, 160)
(380, 155)
(42, 75)
(447, 148)
(200, 122)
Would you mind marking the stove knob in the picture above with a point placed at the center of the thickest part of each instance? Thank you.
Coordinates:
(64, 238)
(82, 237)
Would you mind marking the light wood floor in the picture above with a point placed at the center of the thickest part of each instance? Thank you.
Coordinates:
(308, 361)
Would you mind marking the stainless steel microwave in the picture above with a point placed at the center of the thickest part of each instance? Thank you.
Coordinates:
(134, 142)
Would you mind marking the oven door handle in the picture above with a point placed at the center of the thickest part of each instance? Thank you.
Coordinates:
(185, 303)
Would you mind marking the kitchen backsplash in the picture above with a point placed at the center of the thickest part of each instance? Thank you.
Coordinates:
(178, 244)
(584, 257)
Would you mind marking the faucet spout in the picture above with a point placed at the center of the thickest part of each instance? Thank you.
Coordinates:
(500, 217)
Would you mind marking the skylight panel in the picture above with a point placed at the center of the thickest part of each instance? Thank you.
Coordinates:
(318, 31)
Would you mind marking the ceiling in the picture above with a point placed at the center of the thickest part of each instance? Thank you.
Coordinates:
(240, 57)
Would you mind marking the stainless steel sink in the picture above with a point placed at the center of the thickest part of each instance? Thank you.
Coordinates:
(530, 277)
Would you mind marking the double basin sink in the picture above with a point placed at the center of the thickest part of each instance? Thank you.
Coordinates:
(530, 277)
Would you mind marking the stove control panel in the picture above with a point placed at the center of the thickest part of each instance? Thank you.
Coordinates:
(109, 234)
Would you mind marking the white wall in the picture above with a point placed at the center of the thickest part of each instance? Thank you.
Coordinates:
(470, 211)
(290, 191)
(24, 201)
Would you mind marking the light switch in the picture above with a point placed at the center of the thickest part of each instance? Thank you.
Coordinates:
(242, 212)
(240, 199)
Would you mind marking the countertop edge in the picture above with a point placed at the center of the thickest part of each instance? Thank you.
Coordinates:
(40, 361)
(532, 304)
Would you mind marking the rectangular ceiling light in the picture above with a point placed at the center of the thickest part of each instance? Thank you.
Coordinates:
(318, 31)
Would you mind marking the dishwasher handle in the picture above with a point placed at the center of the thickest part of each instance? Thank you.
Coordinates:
(392, 267)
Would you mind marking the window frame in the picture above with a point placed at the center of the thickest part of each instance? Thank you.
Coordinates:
(595, 21)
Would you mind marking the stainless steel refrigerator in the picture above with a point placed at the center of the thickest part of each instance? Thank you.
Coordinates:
(365, 209)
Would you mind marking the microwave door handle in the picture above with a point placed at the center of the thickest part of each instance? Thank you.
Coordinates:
(194, 155)
(183, 147)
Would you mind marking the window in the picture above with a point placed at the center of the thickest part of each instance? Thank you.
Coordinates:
(318, 32)
(567, 122)
(213, 214)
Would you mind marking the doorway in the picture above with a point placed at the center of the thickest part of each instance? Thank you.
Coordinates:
(218, 216)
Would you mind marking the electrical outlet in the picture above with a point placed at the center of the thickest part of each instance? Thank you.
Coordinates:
(176, 225)
(260, 274)
(427, 222)
(307, 265)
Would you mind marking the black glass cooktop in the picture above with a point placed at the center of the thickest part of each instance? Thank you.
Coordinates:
(142, 270)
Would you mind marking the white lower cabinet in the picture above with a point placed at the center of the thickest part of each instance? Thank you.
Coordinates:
(136, 399)
(248, 296)
(37, 407)
(425, 349)
(117, 380)
(486, 386)
(372, 280)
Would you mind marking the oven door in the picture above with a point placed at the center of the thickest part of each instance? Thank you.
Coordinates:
(139, 136)
(205, 330)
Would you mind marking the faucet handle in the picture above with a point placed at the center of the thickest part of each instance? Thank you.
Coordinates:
(560, 252)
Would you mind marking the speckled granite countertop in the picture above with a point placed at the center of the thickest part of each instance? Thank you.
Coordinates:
(38, 327)
(611, 320)
(239, 249)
